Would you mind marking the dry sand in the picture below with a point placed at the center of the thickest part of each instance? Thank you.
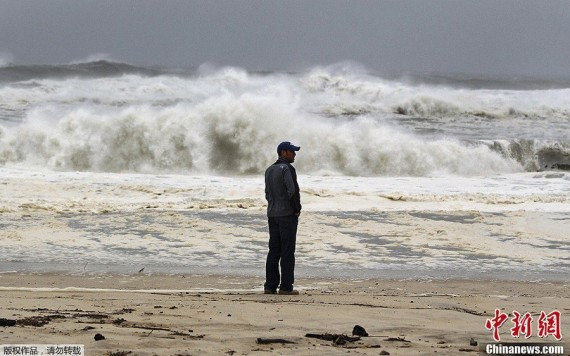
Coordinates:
(194, 315)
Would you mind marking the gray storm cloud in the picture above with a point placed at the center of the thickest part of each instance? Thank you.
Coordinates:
(522, 38)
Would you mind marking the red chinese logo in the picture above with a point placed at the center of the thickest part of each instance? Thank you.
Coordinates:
(548, 324)
(522, 325)
(496, 323)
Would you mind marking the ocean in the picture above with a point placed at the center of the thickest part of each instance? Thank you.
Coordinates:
(110, 167)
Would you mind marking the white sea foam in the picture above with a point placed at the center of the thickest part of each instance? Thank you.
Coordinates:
(199, 223)
(391, 96)
(97, 192)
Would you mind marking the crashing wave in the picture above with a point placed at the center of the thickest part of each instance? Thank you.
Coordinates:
(235, 135)
(228, 120)
(535, 155)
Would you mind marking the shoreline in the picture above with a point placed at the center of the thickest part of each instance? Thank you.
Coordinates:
(18, 279)
(309, 273)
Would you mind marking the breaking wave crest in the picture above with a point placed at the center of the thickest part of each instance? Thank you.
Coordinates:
(229, 121)
(535, 155)
(235, 135)
(373, 94)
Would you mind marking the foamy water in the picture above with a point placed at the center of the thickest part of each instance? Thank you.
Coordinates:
(106, 166)
(228, 121)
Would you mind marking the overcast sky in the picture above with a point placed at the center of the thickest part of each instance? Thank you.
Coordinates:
(515, 37)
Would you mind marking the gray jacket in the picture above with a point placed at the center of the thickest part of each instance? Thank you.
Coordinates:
(282, 189)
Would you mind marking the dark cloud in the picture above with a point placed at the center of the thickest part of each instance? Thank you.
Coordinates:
(478, 37)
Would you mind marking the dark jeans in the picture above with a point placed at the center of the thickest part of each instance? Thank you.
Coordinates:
(282, 238)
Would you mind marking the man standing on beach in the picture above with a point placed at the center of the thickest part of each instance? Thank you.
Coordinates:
(283, 210)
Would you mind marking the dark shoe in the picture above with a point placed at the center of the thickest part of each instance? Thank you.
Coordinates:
(269, 291)
(289, 292)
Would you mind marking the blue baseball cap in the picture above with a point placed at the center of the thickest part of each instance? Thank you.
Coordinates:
(288, 146)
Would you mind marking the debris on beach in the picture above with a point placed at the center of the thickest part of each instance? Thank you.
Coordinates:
(99, 337)
(359, 331)
(180, 333)
(7, 322)
(473, 342)
(38, 321)
(91, 315)
(118, 321)
(360, 346)
(337, 339)
(264, 341)
(126, 324)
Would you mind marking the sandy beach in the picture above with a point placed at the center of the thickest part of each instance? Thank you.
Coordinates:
(194, 315)
(174, 265)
